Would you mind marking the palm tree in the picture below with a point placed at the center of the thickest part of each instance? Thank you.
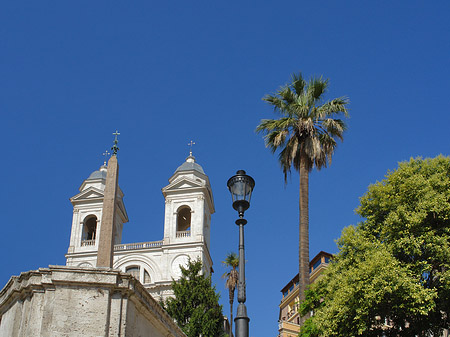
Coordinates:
(305, 134)
(232, 260)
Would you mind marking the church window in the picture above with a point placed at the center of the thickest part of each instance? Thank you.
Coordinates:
(146, 277)
(89, 230)
(134, 271)
(184, 219)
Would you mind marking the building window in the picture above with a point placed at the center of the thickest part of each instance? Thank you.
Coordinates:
(146, 277)
(135, 271)
(184, 219)
(317, 264)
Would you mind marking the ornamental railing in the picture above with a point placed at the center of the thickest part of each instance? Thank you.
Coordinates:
(183, 234)
(87, 243)
(139, 245)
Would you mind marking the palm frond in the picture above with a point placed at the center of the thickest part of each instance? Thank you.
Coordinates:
(294, 148)
(307, 131)
(287, 95)
(285, 163)
(290, 155)
(335, 106)
(298, 83)
(334, 127)
(328, 147)
(268, 125)
(317, 86)
(279, 105)
(275, 139)
(301, 108)
(231, 260)
(305, 128)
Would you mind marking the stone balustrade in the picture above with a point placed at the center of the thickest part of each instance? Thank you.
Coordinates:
(183, 234)
(88, 243)
(139, 245)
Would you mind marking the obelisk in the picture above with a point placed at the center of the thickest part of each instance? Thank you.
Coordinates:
(105, 251)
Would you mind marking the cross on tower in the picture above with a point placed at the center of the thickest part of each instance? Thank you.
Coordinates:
(115, 148)
(191, 143)
(106, 154)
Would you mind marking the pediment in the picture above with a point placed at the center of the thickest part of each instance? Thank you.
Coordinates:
(90, 193)
(182, 184)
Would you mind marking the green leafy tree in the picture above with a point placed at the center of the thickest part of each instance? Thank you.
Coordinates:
(305, 134)
(232, 260)
(394, 267)
(195, 306)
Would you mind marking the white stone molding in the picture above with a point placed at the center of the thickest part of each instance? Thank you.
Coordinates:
(139, 260)
(177, 261)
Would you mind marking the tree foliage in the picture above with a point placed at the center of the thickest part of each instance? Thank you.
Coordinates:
(195, 306)
(391, 276)
(308, 126)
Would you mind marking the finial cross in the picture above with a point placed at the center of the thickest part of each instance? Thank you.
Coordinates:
(106, 154)
(115, 148)
(191, 143)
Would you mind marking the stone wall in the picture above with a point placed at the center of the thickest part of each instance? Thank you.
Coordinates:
(67, 301)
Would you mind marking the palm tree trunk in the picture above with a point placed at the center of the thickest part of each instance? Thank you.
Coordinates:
(303, 233)
(231, 316)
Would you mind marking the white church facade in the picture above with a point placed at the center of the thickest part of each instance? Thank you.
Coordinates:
(189, 205)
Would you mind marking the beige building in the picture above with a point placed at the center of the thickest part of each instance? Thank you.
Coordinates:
(289, 319)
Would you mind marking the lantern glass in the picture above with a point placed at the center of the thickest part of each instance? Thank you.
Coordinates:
(241, 187)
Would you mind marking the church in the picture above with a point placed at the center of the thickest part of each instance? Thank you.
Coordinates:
(110, 288)
(189, 205)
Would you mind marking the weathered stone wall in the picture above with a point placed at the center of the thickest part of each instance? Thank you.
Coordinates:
(66, 301)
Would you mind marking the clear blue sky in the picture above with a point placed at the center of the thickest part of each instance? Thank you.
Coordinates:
(163, 73)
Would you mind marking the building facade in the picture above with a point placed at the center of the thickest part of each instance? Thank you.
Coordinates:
(61, 301)
(289, 318)
(189, 205)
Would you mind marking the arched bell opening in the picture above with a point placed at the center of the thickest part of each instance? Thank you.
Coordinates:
(89, 230)
(184, 222)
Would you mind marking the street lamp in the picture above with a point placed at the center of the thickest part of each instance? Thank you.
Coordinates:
(241, 187)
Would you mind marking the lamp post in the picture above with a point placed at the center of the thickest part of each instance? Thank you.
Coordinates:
(241, 187)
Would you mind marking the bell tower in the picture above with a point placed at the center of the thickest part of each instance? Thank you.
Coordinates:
(189, 206)
(87, 219)
(99, 209)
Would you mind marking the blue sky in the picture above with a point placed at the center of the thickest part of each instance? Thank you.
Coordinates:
(163, 73)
